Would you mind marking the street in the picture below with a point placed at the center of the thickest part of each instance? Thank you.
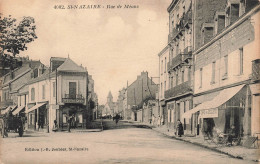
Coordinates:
(122, 143)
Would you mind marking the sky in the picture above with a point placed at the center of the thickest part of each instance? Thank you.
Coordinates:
(115, 45)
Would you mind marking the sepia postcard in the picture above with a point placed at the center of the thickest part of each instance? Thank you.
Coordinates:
(129, 81)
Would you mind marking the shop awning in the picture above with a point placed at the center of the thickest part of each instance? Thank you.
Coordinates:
(219, 100)
(7, 109)
(34, 107)
(18, 110)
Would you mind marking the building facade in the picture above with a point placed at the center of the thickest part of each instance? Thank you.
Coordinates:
(13, 90)
(193, 24)
(59, 93)
(226, 85)
(142, 89)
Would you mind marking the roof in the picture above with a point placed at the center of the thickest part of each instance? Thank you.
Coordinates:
(44, 76)
(58, 58)
(70, 66)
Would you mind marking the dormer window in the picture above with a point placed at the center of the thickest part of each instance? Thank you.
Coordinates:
(35, 73)
(206, 32)
(232, 12)
(219, 22)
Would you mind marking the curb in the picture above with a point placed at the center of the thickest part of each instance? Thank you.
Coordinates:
(197, 144)
(204, 146)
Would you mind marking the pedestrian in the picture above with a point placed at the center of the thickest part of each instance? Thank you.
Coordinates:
(68, 122)
(158, 121)
(55, 126)
(179, 128)
(153, 119)
(162, 123)
(231, 134)
(117, 118)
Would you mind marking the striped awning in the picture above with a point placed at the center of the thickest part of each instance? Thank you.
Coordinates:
(8, 109)
(219, 100)
(18, 110)
(34, 107)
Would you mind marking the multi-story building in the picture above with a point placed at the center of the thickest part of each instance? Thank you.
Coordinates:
(176, 59)
(120, 102)
(141, 89)
(226, 85)
(57, 94)
(13, 92)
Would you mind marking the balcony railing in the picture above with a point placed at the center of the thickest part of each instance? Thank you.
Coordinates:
(187, 18)
(178, 90)
(187, 53)
(256, 70)
(181, 58)
(74, 99)
(176, 61)
(6, 103)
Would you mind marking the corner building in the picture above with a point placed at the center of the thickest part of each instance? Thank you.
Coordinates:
(176, 60)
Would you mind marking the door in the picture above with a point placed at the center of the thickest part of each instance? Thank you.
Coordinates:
(72, 90)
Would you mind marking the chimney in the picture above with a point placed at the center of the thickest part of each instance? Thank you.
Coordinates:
(55, 62)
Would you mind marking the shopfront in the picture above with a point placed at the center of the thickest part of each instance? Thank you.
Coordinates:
(37, 116)
(231, 106)
(76, 112)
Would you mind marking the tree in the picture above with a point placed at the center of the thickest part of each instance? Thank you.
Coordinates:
(15, 37)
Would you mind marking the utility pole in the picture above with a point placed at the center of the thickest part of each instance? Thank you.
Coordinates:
(87, 107)
(142, 101)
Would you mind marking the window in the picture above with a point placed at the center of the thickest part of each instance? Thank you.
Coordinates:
(189, 74)
(171, 81)
(226, 65)
(241, 54)
(43, 91)
(32, 94)
(213, 73)
(164, 85)
(161, 67)
(54, 89)
(177, 78)
(161, 90)
(72, 90)
(200, 77)
(165, 67)
(182, 76)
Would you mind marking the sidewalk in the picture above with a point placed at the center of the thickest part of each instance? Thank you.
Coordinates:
(232, 151)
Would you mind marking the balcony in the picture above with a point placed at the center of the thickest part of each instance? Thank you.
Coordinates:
(256, 70)
(181, 58)
(178, 90)
(187, 53)
(176, 61)
(6, 103)
(187, 18)
(170, 37)
(73, 99)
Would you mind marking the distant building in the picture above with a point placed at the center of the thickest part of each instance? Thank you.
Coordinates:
(121, 102)
(143, 88)
(110, 106)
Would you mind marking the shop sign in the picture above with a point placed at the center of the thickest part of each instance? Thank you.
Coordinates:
(209, 113)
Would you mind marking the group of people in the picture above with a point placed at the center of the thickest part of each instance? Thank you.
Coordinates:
(71, 123)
